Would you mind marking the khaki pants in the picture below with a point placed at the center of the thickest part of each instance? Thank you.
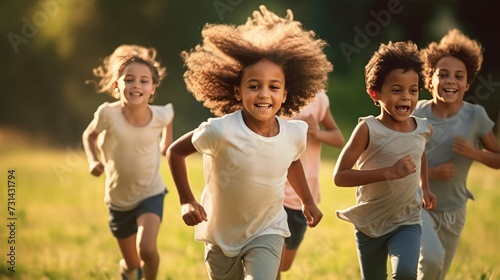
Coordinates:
(441, 233)
(258, 260)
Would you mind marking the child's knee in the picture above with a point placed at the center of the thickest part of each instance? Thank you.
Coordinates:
(432, 257)
(148, 253)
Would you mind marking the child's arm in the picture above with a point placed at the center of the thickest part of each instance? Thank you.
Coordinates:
(192, 212)
(443, 171)
(166, 138)
(489, 155)
(89, 139)
(345, 176)
(428, 197)
(298, 181)
(330, 134)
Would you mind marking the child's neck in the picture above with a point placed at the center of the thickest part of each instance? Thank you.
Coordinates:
(269, 128)
(137, 116)
(401, 126)
(446, 110)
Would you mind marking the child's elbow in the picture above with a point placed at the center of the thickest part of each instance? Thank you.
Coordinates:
(168, 152)
(337, 180)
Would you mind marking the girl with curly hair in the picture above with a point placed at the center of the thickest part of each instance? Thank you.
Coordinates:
(127, 134)
(463, 134)
(249, 76)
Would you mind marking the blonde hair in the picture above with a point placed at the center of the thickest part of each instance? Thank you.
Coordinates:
(457, 45)
(215, 66)
(111, 68)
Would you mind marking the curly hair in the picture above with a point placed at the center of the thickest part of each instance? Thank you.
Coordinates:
(390, 56)
(112, 67)
(455, 44)
(216, 66)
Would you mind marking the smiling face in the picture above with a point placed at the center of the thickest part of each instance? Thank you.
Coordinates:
(398, 95)
(261, 91)
(449, 81)
(136, 84)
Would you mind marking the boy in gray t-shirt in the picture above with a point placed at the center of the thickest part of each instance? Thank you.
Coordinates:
(460, 130)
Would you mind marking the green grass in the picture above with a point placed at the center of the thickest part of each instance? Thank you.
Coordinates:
(62, 232)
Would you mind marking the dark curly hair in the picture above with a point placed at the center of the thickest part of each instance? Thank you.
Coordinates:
(215, 66)
(112, 67)
(390, 56)
(455, 44)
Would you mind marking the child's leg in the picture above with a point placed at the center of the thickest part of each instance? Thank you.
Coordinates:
(298, 225)
(129, 253)
(123, 227)
(432, 253)
(262, 257)
(372, 256)
(149, 215)
(220, 266)
(148, 227)
(451, 230)
(404, 249)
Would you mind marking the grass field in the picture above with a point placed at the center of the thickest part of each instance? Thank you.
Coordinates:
(61, 227)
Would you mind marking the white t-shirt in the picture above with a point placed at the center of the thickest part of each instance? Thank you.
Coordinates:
(131, 155)
(245, 175)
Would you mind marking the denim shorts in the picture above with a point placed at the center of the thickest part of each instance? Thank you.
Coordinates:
(297, 224)
(124, 223)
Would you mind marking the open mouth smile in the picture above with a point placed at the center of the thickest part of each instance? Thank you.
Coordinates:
(403, 109)
(263, 105)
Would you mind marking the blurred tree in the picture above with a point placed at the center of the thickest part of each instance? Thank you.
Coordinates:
(51, 46)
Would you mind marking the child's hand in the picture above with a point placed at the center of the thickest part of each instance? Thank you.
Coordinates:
(312, 213)
(429, 200)
(463, 147)
(445, 171)
(96, 168)
(312, 124)
(193, 213)
(404, 167)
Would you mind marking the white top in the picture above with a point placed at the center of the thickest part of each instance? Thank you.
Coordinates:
(131, 155)
(311, 158)
(384, 206)
(245, 175)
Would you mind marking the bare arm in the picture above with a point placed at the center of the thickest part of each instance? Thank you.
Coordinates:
(345, 176)
(443, 171)
(298, 181)
(192, 212)
(489, 155)
(166, 138)
(329, 133)
(428, 197)
(89, 139)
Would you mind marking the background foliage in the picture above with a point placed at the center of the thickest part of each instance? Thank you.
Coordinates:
(49, 48)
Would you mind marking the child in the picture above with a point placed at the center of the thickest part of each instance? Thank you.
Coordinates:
(247, 75)
(127, 133)
(461, 129)
(391, 162)
(321, 129)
